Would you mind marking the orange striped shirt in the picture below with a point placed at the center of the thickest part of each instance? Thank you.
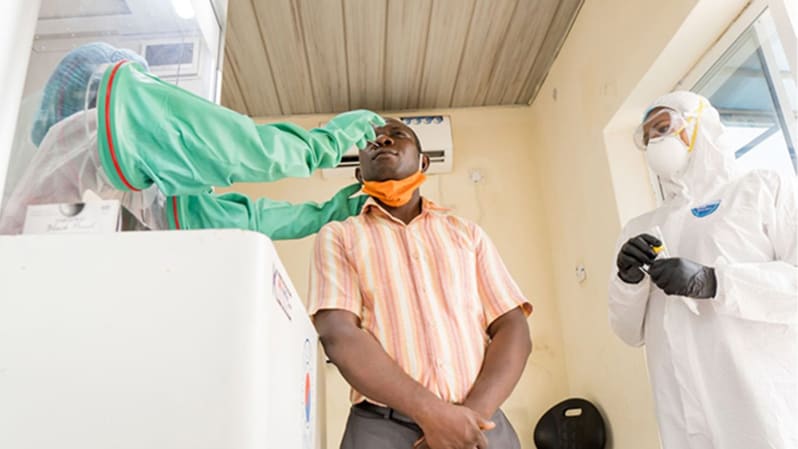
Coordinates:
(427, 291)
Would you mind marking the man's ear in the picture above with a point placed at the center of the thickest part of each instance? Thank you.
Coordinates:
(358, 175)
(424, 163)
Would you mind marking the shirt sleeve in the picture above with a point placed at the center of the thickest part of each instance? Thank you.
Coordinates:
(333, 279)
(497, 289)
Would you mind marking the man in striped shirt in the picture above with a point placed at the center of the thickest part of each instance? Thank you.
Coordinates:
(418, 312)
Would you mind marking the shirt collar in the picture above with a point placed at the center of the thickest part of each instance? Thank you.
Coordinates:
(427, 206)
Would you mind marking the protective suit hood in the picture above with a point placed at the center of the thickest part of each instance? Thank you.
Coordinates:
(65, 91)
(712, 162)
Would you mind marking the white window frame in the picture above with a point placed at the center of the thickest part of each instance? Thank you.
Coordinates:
(746, 19)
(787, 33)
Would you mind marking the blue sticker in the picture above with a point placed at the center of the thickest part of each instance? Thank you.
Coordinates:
(706, 209)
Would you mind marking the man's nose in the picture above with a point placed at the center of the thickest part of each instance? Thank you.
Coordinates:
(384, 140)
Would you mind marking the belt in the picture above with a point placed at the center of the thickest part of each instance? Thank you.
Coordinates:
(386, 412)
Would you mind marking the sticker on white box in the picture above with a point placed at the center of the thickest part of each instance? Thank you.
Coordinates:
(94, 217)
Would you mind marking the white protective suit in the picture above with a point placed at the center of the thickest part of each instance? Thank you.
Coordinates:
(724, 371)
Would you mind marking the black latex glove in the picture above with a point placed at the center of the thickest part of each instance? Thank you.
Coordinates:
(683, 277)
(635, 253)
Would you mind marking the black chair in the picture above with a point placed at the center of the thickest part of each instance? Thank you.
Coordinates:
(572, 424)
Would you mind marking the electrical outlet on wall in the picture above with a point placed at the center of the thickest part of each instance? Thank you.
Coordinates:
(581, 273)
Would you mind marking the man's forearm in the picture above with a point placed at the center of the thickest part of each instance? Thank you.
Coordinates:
(367, 367)
(369, 370)
(504, 363)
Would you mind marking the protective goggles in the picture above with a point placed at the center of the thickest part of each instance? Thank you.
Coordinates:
(661, 124)
(664, 123)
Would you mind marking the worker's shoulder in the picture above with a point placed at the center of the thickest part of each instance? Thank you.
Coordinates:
(765, 184)
(766, 178)
(644, 222)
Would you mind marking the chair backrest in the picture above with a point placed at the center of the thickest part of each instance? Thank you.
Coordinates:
(572, 424)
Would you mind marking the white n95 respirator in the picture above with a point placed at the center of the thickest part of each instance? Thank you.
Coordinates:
(667, 156)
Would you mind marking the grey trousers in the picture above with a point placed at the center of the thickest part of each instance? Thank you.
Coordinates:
(366, 429)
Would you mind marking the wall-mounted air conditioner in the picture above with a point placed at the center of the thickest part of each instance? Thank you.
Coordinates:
(435, 134)
(173, 58)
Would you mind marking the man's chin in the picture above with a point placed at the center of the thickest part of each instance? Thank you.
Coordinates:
(386, 177)
(385, 173)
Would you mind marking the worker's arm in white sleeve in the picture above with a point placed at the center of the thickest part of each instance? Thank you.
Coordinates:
(767, 291)
(628, 304)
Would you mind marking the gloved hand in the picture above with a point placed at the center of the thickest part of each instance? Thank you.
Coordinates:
(683, 277)
(280, 220)
(636, 252)
(354, 127)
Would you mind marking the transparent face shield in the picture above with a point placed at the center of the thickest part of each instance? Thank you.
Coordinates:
(92, 87)
(65, 168)
(659, 125)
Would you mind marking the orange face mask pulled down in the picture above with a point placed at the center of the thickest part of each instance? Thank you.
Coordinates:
(394, 193)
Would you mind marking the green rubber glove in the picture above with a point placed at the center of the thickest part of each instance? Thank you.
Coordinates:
(279, 220)
(150, 131)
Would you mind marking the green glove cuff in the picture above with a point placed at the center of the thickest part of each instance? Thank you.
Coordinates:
(111, 158)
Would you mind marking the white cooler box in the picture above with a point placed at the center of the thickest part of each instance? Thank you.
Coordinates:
(153, 340)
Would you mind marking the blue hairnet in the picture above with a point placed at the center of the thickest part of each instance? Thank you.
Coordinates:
(65, 92)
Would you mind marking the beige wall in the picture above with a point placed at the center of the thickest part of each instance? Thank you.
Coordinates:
(508, 204)
(619, 55)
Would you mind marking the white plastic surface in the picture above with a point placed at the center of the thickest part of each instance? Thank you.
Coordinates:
(17, 26)
(167, 340)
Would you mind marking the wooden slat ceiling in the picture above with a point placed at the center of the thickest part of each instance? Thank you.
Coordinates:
(287, 57)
